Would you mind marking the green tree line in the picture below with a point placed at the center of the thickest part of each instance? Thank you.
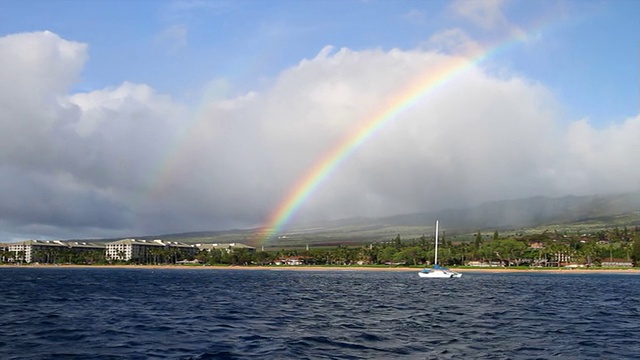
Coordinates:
(544, 249)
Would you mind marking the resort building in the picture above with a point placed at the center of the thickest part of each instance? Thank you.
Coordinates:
(47, 251)
(227, 247)
(4, 252)
(292, 260)
(536, 245)
(185, 249)
(89, 252)
(148, 251)
(563, 258)
(484, 264)
(128, 249)
(613, 262)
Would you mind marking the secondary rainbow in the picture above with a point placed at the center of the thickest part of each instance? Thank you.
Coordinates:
(417, 91)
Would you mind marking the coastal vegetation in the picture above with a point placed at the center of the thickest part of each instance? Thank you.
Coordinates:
(548, 248)
(544, 249)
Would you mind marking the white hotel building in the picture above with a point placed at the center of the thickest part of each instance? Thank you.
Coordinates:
(143, 250)
(40, 250)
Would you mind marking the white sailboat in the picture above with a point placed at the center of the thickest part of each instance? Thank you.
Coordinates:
(438, 271)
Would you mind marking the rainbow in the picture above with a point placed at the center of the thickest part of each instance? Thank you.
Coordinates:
(322, 169)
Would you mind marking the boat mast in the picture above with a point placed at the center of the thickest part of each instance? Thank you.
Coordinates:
(436, 257)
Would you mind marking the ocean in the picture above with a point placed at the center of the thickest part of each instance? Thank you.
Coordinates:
(80, 313)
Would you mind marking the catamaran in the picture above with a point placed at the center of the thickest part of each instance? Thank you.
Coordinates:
(438, 271)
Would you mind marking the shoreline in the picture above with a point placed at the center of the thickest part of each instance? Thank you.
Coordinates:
(328, 268)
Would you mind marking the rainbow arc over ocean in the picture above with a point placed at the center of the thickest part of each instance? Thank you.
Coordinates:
(427, 84)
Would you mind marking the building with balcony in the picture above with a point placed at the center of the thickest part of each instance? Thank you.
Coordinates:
(226, 247)
(47, 251)
(148, 251)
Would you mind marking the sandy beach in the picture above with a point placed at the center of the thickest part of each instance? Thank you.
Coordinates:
(332, 268)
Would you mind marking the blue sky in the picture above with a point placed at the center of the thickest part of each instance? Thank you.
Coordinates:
(587, 53)
(137, 117)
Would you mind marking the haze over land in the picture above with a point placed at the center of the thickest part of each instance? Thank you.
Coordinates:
(112, 125)
(569, 215)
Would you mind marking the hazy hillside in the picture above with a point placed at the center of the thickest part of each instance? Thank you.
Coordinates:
(514, 214)
(539, 211)
(575, 213)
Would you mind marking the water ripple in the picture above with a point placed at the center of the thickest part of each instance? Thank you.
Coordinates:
(164, 314)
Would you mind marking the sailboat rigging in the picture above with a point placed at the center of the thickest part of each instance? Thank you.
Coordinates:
(438, 271)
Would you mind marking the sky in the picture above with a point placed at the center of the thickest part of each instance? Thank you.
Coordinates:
(123, 118)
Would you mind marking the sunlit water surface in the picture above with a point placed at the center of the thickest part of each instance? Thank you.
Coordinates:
(62, 313)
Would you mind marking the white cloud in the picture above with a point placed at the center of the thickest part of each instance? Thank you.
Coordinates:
(602, 160)
(36, 71)
(487, 14)
(415, 16)
(172, 38)
(126, 160)
(72, 161)
(453, 41)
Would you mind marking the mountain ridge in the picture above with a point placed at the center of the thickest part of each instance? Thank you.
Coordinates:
(511, 215)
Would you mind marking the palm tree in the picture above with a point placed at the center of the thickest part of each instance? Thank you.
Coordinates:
(559, 251)
(463, 251)
(155, 253)
(20, 256)
(262, 257)
(121, 255)
(589, 251)
(4, 255)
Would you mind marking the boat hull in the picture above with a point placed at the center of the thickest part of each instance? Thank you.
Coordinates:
(439, 274)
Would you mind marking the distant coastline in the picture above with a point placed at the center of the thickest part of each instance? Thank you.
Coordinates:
(329, 268)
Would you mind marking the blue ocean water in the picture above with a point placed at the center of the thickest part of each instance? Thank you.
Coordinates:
(71, 313)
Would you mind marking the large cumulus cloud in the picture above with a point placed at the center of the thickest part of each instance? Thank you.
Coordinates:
(127, 160)
(70, 164)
